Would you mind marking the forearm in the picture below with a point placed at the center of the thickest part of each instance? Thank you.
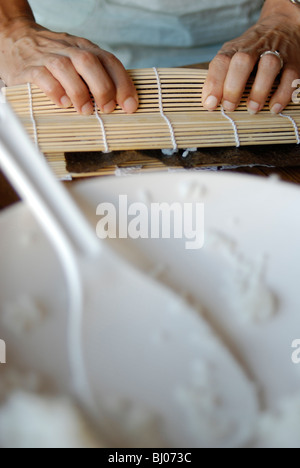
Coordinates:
(11, 10)
(281, 7)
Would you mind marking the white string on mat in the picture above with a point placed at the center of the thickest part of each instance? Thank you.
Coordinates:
(234, 126)
(106, 147)
(35, 132)
(294, 125)
(161, 107)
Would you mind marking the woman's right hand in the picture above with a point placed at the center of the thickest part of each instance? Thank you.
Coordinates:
(65, 67)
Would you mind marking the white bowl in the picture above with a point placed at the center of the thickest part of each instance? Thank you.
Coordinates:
(211, 363)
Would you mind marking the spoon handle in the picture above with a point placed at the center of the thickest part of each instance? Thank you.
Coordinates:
(30, 175)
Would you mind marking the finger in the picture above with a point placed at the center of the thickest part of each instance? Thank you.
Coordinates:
(126, 93)
(102, 87)
(213, 87)
(240, 69)
(41, 77)
(282, 97)
(63, 70)
(268, 69)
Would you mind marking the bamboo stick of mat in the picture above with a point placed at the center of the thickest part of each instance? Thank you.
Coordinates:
(63, 130)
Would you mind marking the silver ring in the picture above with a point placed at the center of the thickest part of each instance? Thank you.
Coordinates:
(277, 54)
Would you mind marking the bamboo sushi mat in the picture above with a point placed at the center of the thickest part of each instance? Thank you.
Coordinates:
(170, 116)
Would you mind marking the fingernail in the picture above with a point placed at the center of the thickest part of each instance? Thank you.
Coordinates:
(229, 106)
(277, 108)
(253, 107)
(110, 107)
(66, 102)
(130, 105)
(87, 109)
(211, 102)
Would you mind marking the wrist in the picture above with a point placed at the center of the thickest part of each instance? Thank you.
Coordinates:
(16, 27)
(285, 8)
(14, 10)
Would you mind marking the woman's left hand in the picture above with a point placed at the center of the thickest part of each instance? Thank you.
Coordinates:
(278, 29)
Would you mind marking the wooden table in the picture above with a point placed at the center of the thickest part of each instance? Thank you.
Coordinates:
(289, 174)
(7, 194)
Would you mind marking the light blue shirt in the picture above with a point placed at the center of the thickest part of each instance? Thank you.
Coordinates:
(155, 33)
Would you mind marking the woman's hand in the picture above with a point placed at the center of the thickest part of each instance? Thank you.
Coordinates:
(278, 29)
(65, 67)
